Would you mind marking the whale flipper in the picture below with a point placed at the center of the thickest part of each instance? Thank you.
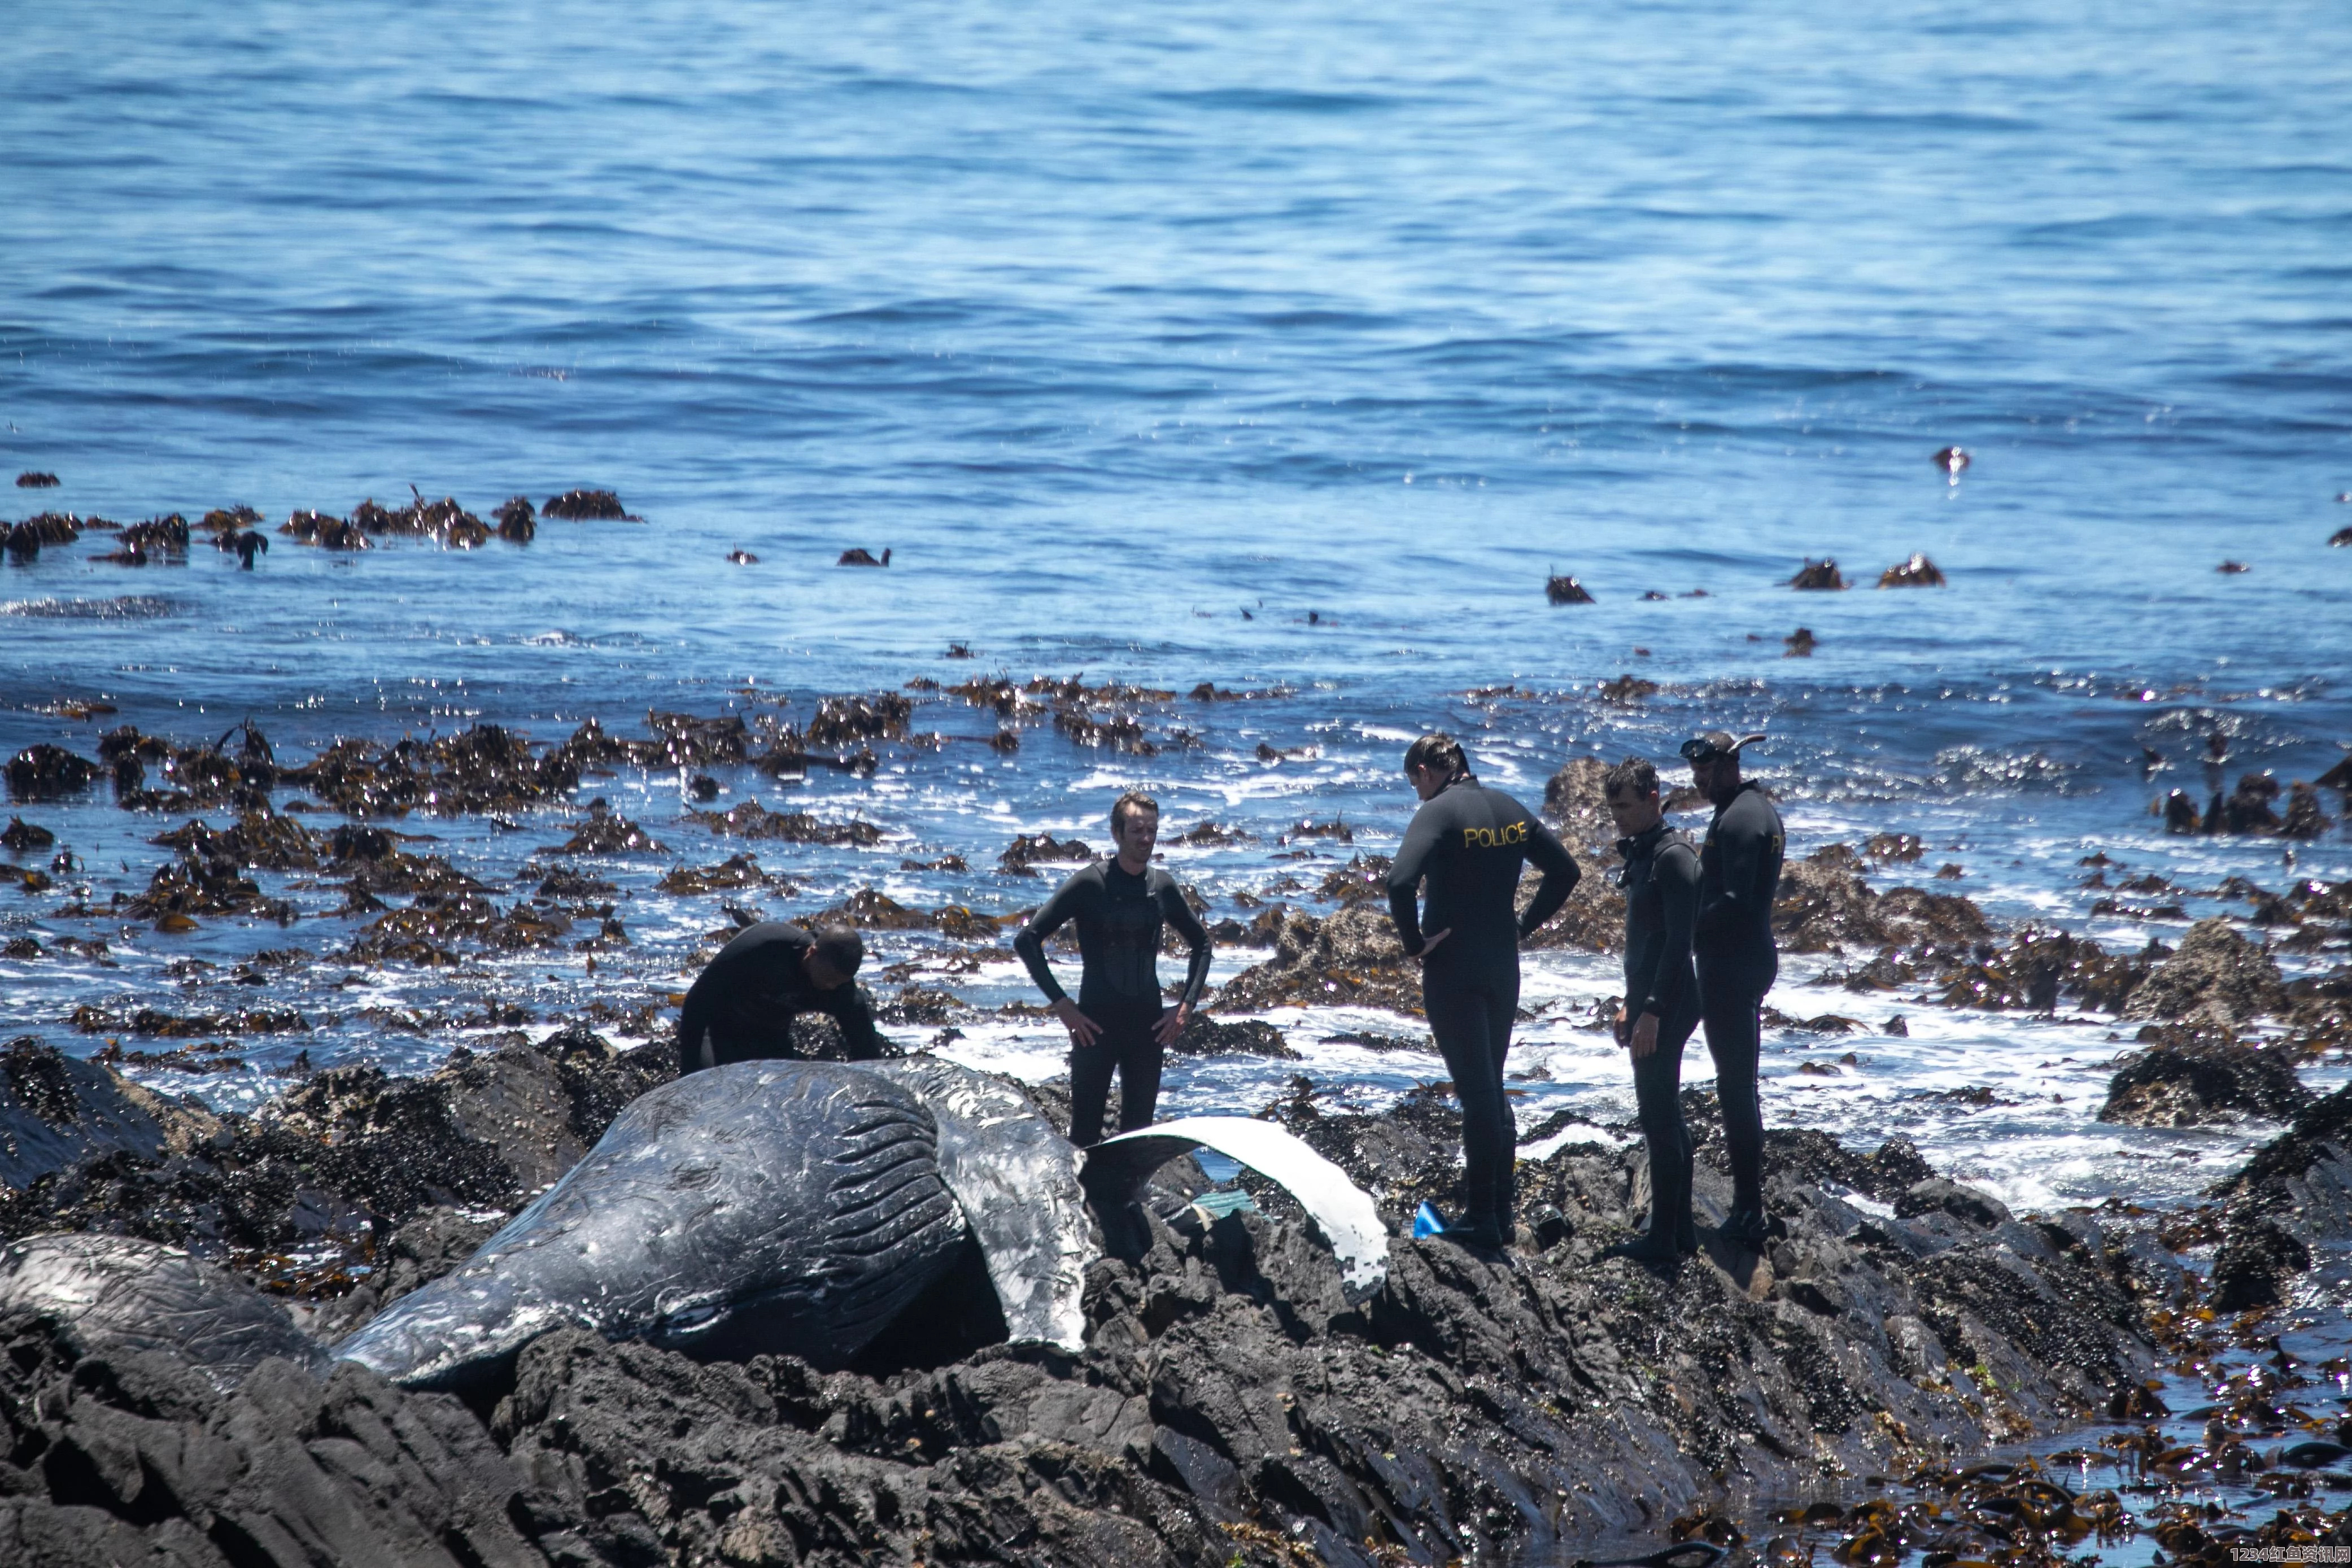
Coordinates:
(1017, 1181)
(760, 1206)
(119, 1295)
(1117, 1168)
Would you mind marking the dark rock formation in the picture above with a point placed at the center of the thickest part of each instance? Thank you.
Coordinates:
(1231, 1406)
(1818, 575)
(2185, 1079)
(1352, 959)
(2217, 977)
(56, 1111)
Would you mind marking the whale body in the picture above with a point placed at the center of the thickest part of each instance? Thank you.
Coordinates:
(117, 1295)
(760, 1206)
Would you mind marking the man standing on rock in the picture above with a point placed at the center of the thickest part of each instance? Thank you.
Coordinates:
(1662, 1006)
(1739, 872)
(743, 1005)
(1469, 842)
(1119, 1019)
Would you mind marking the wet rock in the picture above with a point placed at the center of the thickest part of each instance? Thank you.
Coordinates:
(1938, 1195)
(2216, 975)
(860, 555)
(22, 542)
(2180, 813)
(2305, 817)
(2248, 809)
(34, 479)
(1800, 644)
(259, 838)
(2341, 536)
(1575, 799)
(1918, 572)
(734, 872)
(602, 833)
(1823, 905)
(1351, 959)
(56, 1111)
(1206, 1036)
(1952, 460)
(47, 772)
(2303, 1177)
(1566, 591)
(1818, 575)
(752, 820)
(2186, 1080)
(1626, 691)
(1028, 850)
(2038, 969)
(2256, 1266)
(21, 835)
(587, 505)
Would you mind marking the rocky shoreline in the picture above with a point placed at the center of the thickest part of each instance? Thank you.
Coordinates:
(1230, 1404)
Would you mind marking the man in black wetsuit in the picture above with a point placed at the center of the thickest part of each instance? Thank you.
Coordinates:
(1661, 882)
(741, 1005)
(1469, 842)
(1739, 872)
(1119, 1019)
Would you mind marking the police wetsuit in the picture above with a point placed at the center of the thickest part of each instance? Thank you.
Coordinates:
(1662, 883)
(741, 1005)
(1469, 842)
(1739, 871)
(1119, 915)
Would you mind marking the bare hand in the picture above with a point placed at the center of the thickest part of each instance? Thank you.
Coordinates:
(1429, 943)
(1171, 1023)
(1083, 1031)
(1646, 1036)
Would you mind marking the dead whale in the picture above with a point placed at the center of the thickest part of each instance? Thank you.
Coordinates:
(758, 1206)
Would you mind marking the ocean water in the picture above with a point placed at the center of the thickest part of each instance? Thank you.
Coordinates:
(1289, 349)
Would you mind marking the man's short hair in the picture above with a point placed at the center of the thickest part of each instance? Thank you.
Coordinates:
(1634, 774)
(1126, 805)
(1438, 752)
(840, 948)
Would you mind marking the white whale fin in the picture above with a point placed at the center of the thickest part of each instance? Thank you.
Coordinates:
(1017, 1182)
(1117, 1167)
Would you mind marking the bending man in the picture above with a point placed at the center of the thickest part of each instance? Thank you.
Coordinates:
(1661, 882)
(743, 1005)
(1739, 872)
(1119, 1020)
(1468, 843)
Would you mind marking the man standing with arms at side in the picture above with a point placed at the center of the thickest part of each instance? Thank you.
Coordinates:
(1469, 842)
(1660, 883)
(1119, 1019)
(1739, 872)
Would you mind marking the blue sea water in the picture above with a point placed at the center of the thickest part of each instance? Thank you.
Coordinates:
(1286, 348)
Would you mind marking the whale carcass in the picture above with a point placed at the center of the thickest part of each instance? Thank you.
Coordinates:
(761, 1207)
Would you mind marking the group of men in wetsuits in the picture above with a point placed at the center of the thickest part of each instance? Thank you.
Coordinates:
(1698, 953)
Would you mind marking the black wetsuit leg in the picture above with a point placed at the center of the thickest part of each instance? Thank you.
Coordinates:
(1472, 1021)
(1657, 1095)
(1734, 1032)
(1127, 1047)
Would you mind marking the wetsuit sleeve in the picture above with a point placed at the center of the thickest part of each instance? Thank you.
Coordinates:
(1560, 877)
(847, 1006)
(1674, 873)
(1740, 845)
(1030, 942)
(1412, 862)
(1178, 913)
(692, 1020)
